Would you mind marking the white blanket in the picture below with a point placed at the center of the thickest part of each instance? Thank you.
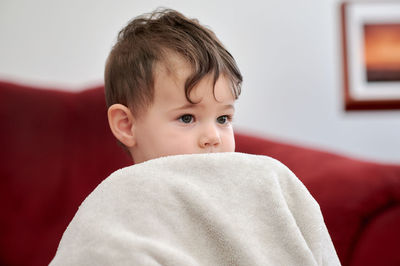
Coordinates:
(204, 209)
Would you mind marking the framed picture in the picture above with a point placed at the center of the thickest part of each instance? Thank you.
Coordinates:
(371, 54)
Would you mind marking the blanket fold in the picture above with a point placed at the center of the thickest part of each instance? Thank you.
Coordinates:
(201, 209)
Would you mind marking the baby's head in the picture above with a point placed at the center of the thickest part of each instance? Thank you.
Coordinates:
(170, 88)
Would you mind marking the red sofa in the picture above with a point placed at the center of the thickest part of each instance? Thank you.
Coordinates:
(56, 147)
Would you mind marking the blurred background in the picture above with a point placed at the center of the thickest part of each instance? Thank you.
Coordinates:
(289, 53)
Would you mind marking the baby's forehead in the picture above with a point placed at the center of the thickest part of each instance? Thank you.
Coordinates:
(173, 70)
(173, 66)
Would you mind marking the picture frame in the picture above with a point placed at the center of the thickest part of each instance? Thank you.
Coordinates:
(371, 55)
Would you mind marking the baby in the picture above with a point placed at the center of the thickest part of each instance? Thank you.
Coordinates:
(171, 88)
(189, 199)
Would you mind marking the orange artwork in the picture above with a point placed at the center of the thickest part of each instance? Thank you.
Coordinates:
(382, 52)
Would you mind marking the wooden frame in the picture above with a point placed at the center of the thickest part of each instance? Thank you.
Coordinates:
(371, 59)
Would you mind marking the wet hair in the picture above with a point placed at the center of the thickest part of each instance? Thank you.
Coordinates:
(147, 40)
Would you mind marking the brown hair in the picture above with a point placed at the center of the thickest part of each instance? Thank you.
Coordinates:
(146, 40)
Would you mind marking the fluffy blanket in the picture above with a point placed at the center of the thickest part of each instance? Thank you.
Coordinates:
(202, 209)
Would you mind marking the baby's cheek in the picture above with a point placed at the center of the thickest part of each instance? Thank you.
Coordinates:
(231, 147)
(179, 145)
(229, 143)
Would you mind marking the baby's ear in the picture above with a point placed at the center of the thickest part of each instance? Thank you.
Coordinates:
(121, 122)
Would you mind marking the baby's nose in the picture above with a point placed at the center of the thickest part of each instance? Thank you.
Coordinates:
(210, 137)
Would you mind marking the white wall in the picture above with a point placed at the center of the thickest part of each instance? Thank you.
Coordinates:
(288, 51)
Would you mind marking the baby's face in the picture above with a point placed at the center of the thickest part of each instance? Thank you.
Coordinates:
(172, 125)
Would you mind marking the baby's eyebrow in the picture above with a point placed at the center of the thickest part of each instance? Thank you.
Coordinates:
(229, 106)
(193, 105)
(186, 106)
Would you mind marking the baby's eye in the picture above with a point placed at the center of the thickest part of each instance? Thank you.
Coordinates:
(223, 119)
(186, 119)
